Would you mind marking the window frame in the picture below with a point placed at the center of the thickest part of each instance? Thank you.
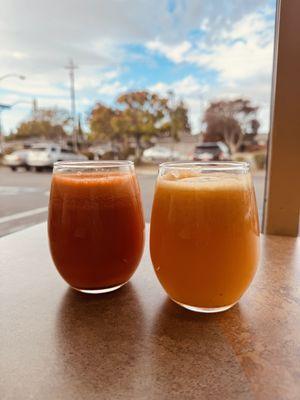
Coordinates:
(282, 186)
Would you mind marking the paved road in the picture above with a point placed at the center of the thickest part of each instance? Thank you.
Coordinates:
(24, 197)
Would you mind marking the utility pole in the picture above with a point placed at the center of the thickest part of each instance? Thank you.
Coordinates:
(34, 108)
(71, 67)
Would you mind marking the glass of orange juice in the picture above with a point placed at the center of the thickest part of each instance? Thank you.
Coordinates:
(95, 224)
(204, 237)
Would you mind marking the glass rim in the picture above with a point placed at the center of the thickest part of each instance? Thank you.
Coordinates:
(207, 165)
(93, 164)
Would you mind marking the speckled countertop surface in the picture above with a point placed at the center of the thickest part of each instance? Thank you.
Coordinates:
(135, 343)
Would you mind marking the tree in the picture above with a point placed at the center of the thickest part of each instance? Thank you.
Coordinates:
(141, 116)
(45, 123)
(255, 124)
(180, 121)
(40, 130)
(138, 116)
(55, 116)
(100, 121)
(229, 121)
(177, 123)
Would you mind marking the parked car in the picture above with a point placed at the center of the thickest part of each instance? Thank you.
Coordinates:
(17, 159)
(211, 151)
(106, 151)
(160, 153)
(44, 155)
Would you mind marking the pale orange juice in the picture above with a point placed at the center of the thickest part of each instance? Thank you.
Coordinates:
(205, 235)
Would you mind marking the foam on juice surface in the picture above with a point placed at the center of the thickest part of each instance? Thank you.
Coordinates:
(197, 180)
(91, 179)
(89, 189)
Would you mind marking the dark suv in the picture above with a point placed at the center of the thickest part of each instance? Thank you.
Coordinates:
(211, 151)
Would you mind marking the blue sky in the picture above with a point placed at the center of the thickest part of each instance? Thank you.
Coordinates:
(202, 50)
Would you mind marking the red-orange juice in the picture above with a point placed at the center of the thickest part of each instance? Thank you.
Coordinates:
(96, 228)
(204, 235)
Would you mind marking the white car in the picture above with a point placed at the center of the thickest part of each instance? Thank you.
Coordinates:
(160, 153)
(44, 155)
(17, 159)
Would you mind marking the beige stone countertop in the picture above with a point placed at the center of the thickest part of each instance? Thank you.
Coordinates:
(134, 343)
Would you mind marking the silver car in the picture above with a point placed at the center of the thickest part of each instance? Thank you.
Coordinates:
(160, 154)
(44, 155)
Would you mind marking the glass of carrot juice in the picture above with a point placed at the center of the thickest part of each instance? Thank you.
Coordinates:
(204, 237)
(95, 224)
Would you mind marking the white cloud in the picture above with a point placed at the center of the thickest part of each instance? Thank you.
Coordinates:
(49, 33)
(175, 53)
(46, 34)
(245, 51)
(37, 38)
(36, 86)
(242, 58)
(112, 89)
(86, 101)
(186, 86)
(94, 79)
(239, 61)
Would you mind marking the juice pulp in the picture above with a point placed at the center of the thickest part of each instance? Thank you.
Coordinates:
(96, 228)
(204, 237)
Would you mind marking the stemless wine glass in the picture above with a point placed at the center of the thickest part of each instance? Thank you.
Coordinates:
(204, 238)
(95, 224)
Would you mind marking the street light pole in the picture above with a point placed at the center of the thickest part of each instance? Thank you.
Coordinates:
(71, 67)
(22, 77)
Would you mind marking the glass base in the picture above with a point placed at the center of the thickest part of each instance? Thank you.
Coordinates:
(205, 310)
(99, 291)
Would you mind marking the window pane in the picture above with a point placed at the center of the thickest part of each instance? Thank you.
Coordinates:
(209, 63)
